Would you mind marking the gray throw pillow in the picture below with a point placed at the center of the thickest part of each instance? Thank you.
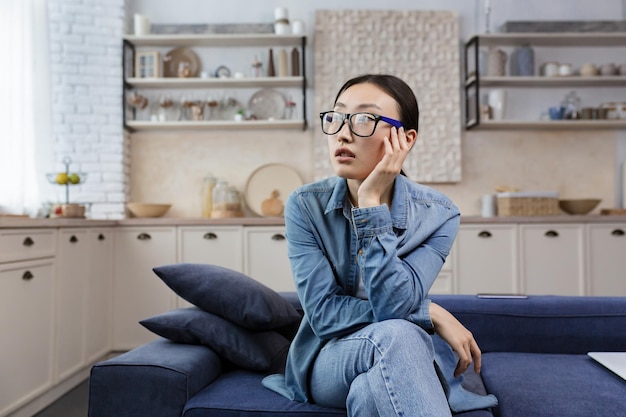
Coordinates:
(230, 295)
(257, 351)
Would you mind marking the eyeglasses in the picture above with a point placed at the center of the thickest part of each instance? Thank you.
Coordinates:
(362, 124)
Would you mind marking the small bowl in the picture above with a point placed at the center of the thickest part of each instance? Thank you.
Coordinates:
(579, 205)
(147, 209)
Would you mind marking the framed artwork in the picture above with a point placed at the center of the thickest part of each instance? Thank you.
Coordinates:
(148, 64)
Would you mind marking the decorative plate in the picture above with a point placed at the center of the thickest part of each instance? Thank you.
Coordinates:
(175, 57)
(269, 186)
(267, 104)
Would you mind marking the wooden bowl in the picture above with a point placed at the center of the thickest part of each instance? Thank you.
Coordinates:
(147, 209)
(579, 205)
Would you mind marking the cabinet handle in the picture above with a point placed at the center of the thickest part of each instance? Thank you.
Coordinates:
(73, 239)
(210, 236)
(552, 233)
(27, 276)
(144, 236)
(278, 237)
(617, 232)
(484, 234)
(28, 241)
(101, 237)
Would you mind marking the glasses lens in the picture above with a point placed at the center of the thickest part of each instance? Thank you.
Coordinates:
(331, 122)
(363, 124)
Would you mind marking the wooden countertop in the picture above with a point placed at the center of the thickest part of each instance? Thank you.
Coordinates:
(17, 222)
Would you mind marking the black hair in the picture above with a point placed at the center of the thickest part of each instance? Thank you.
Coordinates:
(396, 88)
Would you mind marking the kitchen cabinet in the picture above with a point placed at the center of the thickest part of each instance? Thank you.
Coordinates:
(606, 259)
(236, 43)
(216, 245)
(27, 326)
(98, 294)
(72, 275)
(486, 259)
(552, 259)
(265, 256)
(137, 292)
(477, 81)
(20, 244)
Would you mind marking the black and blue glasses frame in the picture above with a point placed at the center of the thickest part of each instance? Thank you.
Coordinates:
(348, 116)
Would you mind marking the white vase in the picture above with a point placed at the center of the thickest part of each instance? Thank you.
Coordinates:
(497, 102)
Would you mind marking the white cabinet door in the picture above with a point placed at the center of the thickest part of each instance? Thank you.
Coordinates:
(265, 257)
(486, 259)
(552, 259)
(26, 325)
(218, 245)
(72, 272)
(137, 292)
(606, 256)
(98, 294)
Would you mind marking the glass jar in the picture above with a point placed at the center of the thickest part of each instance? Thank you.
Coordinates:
(220, 198)
(207, 195)
(233, 201)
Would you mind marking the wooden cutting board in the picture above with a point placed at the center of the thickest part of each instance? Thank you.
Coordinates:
(613, 212)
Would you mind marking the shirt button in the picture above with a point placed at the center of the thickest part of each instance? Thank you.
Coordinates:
(361, 252)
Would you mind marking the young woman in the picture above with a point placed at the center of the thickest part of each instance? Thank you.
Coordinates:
(365, 247)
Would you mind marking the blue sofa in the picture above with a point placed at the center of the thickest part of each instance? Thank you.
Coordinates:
(534, 361)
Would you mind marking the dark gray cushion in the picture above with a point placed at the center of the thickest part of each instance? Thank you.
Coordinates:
(230, 295)
(258, 351)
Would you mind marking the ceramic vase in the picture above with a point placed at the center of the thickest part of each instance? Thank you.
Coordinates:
(525, 58)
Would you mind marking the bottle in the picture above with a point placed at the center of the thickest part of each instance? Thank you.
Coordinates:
(295, 62)
(271, 72)
(283, 66)
(207, 195)
(220, 198)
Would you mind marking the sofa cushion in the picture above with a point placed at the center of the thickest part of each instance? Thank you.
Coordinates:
(261, 351)
(549, 385)
(153, 380)
(541, 323)
(229, 294)
(240, 394)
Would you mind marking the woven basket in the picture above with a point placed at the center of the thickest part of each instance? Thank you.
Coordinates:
(528, 206)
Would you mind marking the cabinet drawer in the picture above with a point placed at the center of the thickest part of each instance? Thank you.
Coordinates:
(217, 245)
(18, 245)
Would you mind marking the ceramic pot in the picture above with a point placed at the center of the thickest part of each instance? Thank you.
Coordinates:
(608, 69)
(588, 70)
(525, 57)
(496, 62)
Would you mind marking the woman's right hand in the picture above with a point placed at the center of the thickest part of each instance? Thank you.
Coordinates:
(458, 337)
(380, 180)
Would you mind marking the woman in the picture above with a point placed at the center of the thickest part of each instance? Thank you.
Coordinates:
(365, 247)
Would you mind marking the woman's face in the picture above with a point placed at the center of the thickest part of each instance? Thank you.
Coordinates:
(355, 157)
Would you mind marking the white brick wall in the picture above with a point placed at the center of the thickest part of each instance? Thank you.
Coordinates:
(86, 51)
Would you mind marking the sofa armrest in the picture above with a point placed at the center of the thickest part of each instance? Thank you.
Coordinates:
(154, 380)
(541, 323)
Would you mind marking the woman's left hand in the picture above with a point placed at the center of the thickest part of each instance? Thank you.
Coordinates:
(458, 337)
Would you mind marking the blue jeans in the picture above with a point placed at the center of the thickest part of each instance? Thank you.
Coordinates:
(385, 369)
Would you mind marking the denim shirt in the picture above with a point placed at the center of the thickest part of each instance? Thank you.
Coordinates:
(396, 253)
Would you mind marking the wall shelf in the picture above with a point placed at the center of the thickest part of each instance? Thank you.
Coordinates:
(139, 126)
(474, 81)
(131, 43)
(268, 82)
(550, 124)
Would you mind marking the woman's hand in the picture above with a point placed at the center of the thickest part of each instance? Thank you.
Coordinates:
(458, 337)
(380, 180)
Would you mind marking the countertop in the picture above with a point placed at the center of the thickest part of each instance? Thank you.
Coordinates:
(17, 222)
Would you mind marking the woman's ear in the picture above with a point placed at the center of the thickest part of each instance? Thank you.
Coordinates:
(411, 137)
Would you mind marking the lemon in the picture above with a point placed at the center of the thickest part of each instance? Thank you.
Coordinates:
(62, 178)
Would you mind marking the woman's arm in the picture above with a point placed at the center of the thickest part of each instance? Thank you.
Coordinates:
(458, 337)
